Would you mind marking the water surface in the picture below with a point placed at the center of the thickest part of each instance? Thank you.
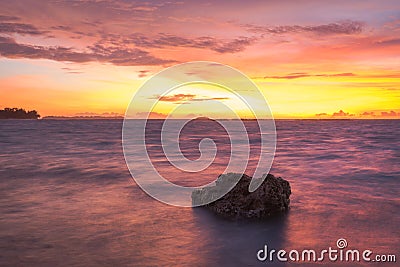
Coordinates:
(67, 198)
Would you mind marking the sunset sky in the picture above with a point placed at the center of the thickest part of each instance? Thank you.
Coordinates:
(310, 58)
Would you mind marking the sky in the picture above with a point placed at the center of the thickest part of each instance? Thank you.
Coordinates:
(309, 58)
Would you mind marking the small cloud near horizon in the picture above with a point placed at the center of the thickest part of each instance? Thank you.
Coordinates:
(143, 73)
(365, 114)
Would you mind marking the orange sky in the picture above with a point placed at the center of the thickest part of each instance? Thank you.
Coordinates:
(309, 58)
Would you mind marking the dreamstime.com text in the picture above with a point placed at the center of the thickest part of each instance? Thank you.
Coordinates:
(338, 254)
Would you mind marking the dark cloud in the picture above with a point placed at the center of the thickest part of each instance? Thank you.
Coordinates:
(346, 27)
(62, 28)
(236, 45)
(115, 5)
(124, 56)
(20, 28)
(117, 56)
(390, 114)
(8, 25)
(111, 36)
(163, 40)
(9, 48)
(343, 27)
(297, 75)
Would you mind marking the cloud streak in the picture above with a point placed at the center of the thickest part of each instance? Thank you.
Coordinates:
(297, 75)
(121, 56)
(389, 42)
(164, 40)
(347, 27)
(176, 98)
(11, 25)
(184, 98)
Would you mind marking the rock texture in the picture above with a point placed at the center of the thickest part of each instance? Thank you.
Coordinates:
(271, 197)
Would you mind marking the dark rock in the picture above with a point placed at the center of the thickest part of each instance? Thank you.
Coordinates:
(270, 198)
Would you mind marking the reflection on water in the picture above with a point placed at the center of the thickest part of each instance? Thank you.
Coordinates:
(67, 198)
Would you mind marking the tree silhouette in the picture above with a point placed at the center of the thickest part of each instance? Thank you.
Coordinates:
(18, 113)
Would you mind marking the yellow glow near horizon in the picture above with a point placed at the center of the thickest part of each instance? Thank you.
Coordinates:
(105, 89)
(203, 100)
(305, 97)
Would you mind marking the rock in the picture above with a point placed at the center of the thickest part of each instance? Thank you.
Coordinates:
(270, 198)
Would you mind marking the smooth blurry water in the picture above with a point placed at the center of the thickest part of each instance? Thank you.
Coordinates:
(67, 198)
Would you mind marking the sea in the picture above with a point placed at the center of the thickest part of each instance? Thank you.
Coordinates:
(68, 197)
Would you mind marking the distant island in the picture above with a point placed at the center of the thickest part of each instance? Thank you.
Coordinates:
(203, 119)
(18, 113)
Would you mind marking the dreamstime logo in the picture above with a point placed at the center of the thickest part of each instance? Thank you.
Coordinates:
(340, 254)
(241, 96)
(341, 243)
